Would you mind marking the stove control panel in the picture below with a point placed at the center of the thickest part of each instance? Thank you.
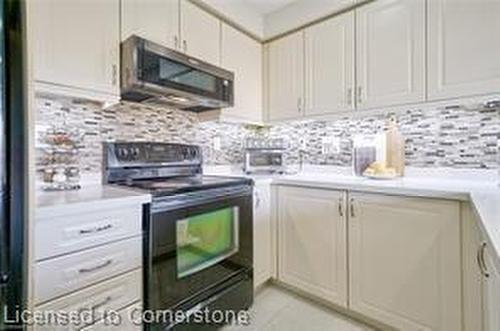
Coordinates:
(151, 154)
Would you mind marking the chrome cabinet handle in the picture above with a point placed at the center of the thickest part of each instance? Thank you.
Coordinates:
(349, 96)
(351, 206)
(97, 267)
(341, 207)
(96, 229)
(299, 105)
(360, 95)
(257, 199)
(481, 262)
(114, 79)
(185, 45)
(176, 42)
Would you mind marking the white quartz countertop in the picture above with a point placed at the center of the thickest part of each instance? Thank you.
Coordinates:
(479, 187)
(54, 203)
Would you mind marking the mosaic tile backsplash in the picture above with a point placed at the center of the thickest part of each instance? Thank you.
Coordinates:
(441, 137)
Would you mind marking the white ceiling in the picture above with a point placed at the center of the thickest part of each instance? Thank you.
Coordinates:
(265, 7)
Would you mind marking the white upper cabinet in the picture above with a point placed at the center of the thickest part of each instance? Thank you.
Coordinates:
(155, 20)
(404, 262)
(286, 77)
(76, 45)
(463, 49)
(390, 53)
(329, 66)
(243, 56)
(312, 248)
(200, 33)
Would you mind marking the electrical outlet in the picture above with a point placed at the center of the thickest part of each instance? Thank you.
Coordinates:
(216, 145)
(330, 145)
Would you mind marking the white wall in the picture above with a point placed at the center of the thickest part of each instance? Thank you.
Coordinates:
(300, 13)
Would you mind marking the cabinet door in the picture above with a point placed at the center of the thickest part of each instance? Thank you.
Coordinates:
(243, 55)
(472, 276)
(329, 51)
(404, 256)
(390, 53)
(262, 233)
(286, 77)
(463, 57)
(77, 44)
(491, 294)
(200, 32)
(312, 242)
(155, 20)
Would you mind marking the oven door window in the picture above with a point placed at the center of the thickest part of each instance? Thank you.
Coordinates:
(206, 239)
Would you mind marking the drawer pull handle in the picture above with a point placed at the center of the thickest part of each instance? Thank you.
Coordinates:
(97, 305)
(97, 267)
(96, 229)
(102, 303)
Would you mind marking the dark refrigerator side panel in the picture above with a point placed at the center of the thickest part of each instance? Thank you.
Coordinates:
(13, 174)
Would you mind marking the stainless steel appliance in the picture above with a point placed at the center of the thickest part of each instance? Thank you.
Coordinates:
(264, 156)
(156, 74)
(12, 165)
(198, 246)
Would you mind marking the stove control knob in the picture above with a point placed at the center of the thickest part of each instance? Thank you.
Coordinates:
(193, 153)
(123, 152)
(136, 153)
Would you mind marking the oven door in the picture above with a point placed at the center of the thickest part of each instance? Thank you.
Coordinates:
(197, 242)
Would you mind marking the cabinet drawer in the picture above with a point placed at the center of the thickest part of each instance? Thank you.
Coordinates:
(111, 295)
(128, 320)
(61, 235)
(71, 272)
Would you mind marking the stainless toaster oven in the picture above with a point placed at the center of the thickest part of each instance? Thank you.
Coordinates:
(264, 156)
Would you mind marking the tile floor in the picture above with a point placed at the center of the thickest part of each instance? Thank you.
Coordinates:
(276, 309)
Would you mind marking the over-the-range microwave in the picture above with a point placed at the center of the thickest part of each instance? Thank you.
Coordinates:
(156, 74)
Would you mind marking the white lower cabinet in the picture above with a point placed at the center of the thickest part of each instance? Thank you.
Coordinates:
(404, 258)
(312, 242)
(393, 259)
(263, 233)
(491, 292)
(87, 268)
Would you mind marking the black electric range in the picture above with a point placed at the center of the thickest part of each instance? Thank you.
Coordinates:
(198, 233)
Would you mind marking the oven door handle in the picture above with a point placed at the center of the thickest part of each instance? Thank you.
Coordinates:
(191, 199)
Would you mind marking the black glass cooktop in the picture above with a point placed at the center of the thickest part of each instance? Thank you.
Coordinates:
(175, 185)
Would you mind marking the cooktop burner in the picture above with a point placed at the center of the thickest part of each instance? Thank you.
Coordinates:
(168, 186)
